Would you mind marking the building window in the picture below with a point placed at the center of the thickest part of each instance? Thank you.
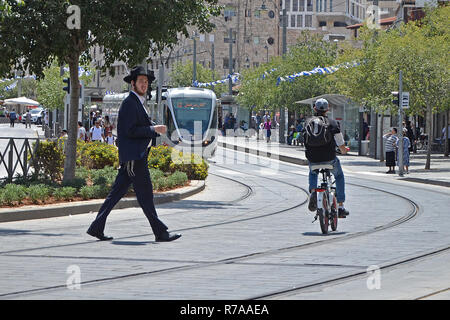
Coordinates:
(322, 23)
(347, 7)
(257, 14)
(301, 5)
(287, 5)
(255, 64)
(320, 5)
(331, 5)
(255, 40)
(294, 5)
(292, 21)
(353, 9)
(299, 21)
(248, 13)
(325, 5)
(226, 63)
(229, 12)
(339, 24)
(308, 21)
(317, 6)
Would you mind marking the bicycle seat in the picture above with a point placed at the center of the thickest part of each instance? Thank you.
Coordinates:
(321, 166)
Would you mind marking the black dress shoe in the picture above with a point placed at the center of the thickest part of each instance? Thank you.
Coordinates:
(100, 237)
(167, 237)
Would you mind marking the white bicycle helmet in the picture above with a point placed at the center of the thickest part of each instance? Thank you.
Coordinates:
(321, 105)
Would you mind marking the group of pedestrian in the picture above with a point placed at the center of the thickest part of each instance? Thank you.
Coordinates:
(101, 131)
(392, 143)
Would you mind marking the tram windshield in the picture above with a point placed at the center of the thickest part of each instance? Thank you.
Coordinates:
(188, 110)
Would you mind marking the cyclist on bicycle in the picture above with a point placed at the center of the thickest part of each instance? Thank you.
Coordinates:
(324, 153)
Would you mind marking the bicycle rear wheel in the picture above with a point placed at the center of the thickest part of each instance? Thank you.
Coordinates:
(334, 214)
(323, 219)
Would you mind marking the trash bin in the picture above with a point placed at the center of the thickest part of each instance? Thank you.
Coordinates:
(364, 147)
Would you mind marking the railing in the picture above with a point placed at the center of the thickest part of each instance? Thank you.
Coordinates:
(14, 161)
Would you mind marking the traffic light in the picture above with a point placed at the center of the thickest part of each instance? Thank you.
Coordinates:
(395, 98)
(67, 88)
(163, 89)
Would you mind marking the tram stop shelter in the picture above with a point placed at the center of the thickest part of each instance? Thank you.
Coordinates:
(349, 116)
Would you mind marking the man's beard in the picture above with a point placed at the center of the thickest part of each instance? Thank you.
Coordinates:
(139, 92)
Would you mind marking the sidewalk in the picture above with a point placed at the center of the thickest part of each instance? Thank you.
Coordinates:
(439, 174)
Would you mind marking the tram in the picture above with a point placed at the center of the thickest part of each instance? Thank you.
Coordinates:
(190, 114)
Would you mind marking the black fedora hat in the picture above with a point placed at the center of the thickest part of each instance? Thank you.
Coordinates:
(139, 71)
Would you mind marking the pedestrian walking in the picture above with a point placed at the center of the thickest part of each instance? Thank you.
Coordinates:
(28, 119)
(267, 127)
(82, 135)
(134, 135)
(12, 118)
(96, 132)
(389, 148)
(110, 139)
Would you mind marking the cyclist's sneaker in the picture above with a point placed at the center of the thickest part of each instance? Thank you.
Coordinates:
(343, 213)
(312, 201)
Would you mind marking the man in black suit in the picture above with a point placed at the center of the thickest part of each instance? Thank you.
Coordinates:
(134, 133)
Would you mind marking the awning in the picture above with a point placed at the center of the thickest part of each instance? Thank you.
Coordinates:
(385, 21)
(335, 99)
(22, 100)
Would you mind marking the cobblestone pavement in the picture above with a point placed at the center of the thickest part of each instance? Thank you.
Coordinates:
(242, 238)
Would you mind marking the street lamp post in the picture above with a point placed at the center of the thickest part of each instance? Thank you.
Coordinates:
(230, 62)
(194, 75)
(282, 126)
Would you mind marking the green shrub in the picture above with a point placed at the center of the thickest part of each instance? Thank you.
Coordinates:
(105, 176)
(92, 192)
(64, 193)
(76, 183)
(12, 193)
(82, 173)
(159, 157)
(97, 155)
(38, 192)
(49, 159)
(87, 192)
(196, 168)
(156, 174)
(179, 178)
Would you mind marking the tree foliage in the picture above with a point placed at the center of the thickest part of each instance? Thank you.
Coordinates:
(33, 34)
(309, 52)
(182, 74)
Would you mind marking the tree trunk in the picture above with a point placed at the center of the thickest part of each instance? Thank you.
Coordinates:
(72, 124)
(430, 135)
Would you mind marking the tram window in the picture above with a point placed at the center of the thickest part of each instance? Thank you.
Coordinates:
(189, 110)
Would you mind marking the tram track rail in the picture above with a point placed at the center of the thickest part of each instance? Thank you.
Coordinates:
(411, 214)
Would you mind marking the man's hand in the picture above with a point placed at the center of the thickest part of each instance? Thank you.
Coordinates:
(161, 129)
(343, 149)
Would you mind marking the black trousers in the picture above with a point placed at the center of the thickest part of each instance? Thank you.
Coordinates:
(144, 193)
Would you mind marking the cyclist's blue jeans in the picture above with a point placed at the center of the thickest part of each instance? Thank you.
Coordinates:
(338, 175)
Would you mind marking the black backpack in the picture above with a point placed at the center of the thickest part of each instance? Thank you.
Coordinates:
(317, 131)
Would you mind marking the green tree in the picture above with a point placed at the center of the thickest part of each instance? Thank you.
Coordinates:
(35, 33)
(309, 52)
(421, 51)
(182, 74)
(49, 88)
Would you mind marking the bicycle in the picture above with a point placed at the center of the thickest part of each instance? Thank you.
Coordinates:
(327, 212)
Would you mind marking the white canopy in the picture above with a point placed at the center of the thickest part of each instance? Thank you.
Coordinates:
(22, 100)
